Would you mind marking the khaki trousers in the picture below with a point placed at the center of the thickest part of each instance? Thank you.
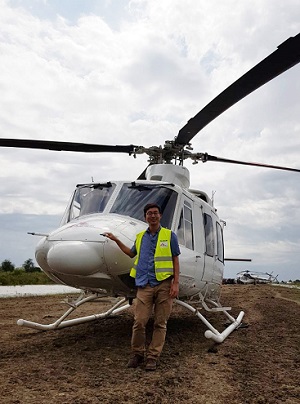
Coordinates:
(151, 299)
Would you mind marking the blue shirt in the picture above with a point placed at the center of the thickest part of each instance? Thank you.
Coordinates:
(146, 272)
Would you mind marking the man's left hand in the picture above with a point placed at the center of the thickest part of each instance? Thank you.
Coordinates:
(174, 290)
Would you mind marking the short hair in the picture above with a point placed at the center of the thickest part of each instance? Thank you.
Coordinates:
(150, 206)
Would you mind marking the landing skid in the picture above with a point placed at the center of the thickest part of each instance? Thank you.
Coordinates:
(121, 305)
(62, 323)
(212, 333)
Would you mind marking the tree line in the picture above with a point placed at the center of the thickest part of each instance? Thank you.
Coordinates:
(28, 266)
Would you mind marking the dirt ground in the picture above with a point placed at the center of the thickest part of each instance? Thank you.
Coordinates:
(87, 363)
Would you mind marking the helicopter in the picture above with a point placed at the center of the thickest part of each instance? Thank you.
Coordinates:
(253, 277)
(79, 254)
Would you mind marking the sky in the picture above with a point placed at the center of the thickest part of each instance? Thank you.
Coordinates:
(134, 72)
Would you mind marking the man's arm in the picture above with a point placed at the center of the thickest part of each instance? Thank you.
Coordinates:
(126, 250)
(175, 282)
(175, 257)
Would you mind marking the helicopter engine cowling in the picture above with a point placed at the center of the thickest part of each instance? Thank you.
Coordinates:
(178, 175)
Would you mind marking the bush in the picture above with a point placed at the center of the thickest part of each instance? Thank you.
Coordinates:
(30, 267)
(7, 266)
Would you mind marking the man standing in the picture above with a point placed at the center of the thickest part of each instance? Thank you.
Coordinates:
(156, 273)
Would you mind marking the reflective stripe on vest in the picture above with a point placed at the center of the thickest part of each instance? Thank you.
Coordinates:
(163, 261)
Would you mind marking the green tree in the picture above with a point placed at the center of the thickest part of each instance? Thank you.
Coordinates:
(29, 266)
(7, 266)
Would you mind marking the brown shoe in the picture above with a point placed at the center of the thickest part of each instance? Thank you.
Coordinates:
(135, 361)
(150, 364)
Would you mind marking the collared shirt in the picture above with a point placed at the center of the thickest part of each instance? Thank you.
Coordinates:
(146, 272)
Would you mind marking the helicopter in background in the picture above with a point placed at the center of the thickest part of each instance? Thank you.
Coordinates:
(253, 277)
(78, 254)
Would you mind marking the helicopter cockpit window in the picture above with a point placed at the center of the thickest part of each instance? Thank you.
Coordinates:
(220, 244)
(91, 198)
(209, 234)
(133, 197)
(185, 227)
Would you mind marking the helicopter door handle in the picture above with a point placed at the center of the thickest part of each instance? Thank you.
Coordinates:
(198, 256)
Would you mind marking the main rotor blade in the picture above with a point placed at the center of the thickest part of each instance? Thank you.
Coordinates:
(286, 56)
(66, 146)
(208, 157)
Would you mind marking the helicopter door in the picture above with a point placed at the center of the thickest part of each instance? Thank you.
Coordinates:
(193, 265)
(214, 251)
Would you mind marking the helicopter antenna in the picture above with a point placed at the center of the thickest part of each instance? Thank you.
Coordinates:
(212, 197)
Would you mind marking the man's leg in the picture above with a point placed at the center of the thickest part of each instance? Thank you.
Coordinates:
(143, 310)
(162, 310)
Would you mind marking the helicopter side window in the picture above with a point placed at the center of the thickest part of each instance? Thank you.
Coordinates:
(185, 227)
(209, 234)
(90, 198)
(220, 244)
(133, 197)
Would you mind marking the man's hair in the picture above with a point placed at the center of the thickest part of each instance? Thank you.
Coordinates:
(150, 206)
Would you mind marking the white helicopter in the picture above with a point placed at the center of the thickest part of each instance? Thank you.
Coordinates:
(79, 255)
(252, 277)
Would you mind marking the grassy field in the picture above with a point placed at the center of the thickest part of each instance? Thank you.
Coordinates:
(20, 277)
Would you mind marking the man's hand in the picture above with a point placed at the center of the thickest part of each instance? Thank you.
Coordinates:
(110, 236)
(126, 250)
(174, 290)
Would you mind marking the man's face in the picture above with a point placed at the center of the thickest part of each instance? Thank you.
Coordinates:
(153, 216)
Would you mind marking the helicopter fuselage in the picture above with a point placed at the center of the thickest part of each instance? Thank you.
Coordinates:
(79, 255)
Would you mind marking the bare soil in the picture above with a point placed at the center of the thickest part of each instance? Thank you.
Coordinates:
(87, 363)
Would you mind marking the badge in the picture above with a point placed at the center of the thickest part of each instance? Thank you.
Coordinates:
(163, 244)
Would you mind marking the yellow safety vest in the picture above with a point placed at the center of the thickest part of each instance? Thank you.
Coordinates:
(163, 261)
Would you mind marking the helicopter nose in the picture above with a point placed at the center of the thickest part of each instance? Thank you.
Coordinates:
(76, 257)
